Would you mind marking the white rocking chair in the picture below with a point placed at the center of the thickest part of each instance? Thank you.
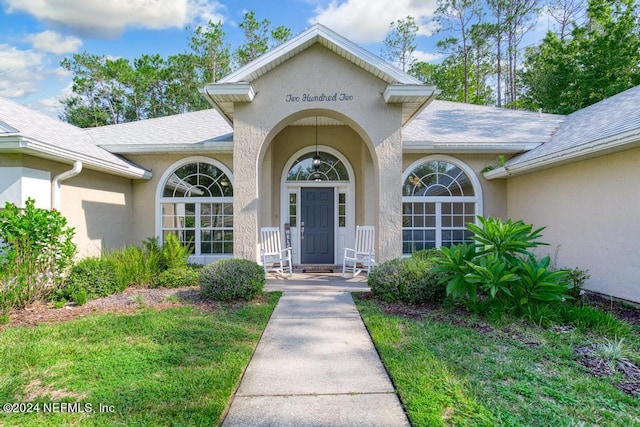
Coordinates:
(360, 258)
(274, 258)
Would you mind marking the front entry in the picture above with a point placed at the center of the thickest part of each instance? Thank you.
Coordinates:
(317, 226)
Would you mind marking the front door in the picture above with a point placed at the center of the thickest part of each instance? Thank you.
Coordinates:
(317, 226)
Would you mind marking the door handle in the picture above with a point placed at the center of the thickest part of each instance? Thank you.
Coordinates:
(302, 230)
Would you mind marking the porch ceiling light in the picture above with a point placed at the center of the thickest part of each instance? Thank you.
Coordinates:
(316, 159)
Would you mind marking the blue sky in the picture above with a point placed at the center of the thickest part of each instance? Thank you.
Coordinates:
(36, 34)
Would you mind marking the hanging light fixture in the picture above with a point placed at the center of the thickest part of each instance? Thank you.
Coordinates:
(316, 159)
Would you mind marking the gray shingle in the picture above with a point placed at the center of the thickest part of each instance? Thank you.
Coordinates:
(55, 136)
(599, 122)
(187, 128)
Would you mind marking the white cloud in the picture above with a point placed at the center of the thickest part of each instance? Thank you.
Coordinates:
(51, 41)
(111, 17)
(51, 106)
(367, 21)
(13, 59)
(20, 70)
(427, 56)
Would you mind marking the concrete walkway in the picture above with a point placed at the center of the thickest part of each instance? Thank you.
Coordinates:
(315, 364)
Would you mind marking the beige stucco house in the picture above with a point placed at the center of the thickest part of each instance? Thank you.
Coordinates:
(318, 136)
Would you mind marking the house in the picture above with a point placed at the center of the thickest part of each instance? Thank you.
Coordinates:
(319, 135)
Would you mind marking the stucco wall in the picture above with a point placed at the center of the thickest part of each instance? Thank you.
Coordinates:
(95, 204)
(279, 102)
(98, 206)
(590, 209)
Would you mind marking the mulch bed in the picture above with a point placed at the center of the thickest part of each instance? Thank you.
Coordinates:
(127, 302)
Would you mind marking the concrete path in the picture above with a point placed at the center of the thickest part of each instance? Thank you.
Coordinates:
(315, 366)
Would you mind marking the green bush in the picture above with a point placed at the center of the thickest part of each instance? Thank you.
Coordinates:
(502, 266)
(577, 278)
(136, 266)
(385, 280)
(91, 278)
(177, 277)
(174, 253)
(407, 279)
(36, 252)
(231, 279)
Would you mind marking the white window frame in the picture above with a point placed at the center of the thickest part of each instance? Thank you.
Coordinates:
(439, 200)
(197, 256)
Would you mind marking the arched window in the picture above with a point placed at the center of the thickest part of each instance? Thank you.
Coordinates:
(197, 206)
(439, 198)
(331, 169)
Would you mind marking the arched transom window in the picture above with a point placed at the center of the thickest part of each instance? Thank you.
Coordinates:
(330, 169)
(438, 200)
(197, 206)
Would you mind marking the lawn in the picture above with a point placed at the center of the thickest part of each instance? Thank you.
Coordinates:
(453, 368)
(178, 366)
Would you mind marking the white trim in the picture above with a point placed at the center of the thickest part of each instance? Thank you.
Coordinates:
(223, 146)
(580, 152)
(319, 33)
(468, 147)
(205, 258)
(347, 187)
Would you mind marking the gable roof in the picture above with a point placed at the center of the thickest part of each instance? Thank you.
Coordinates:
(608, 126)
(200, 131)
(456, 127)
(28, 131)
(403, 88)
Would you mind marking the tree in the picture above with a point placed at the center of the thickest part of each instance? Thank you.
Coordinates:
(259, 38)
(566, 13)
(459, 16)
(97, 91)
(213, 54)
(399, 45)
(601, 58)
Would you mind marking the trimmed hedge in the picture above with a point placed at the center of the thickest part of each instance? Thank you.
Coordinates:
(177, 277)
(231, 279)
(407, 279)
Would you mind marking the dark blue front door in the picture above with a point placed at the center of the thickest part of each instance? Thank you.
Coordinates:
(318, 222)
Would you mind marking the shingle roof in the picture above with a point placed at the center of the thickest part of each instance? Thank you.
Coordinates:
(592, 128)
(52, 138)
(454, 122)
(204, 127)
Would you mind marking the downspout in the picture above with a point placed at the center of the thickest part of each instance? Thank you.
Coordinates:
(55, 184)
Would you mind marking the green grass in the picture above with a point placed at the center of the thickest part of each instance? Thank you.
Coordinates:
(178, 366)
(512, 374)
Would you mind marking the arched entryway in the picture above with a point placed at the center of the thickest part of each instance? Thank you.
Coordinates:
(318, 204)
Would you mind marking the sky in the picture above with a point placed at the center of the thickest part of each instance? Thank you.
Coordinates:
(35, 35)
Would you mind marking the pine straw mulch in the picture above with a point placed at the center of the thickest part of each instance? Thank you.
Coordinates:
(127, 302)
(587, 356)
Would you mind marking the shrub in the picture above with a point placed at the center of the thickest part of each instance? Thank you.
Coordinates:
(136, 266)
(230, 279)
(501, 265)
(90, 278)
(385, 280)
(407, 279)
(37, 251)
(177, 277)
(577, 277)
(174, 253)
